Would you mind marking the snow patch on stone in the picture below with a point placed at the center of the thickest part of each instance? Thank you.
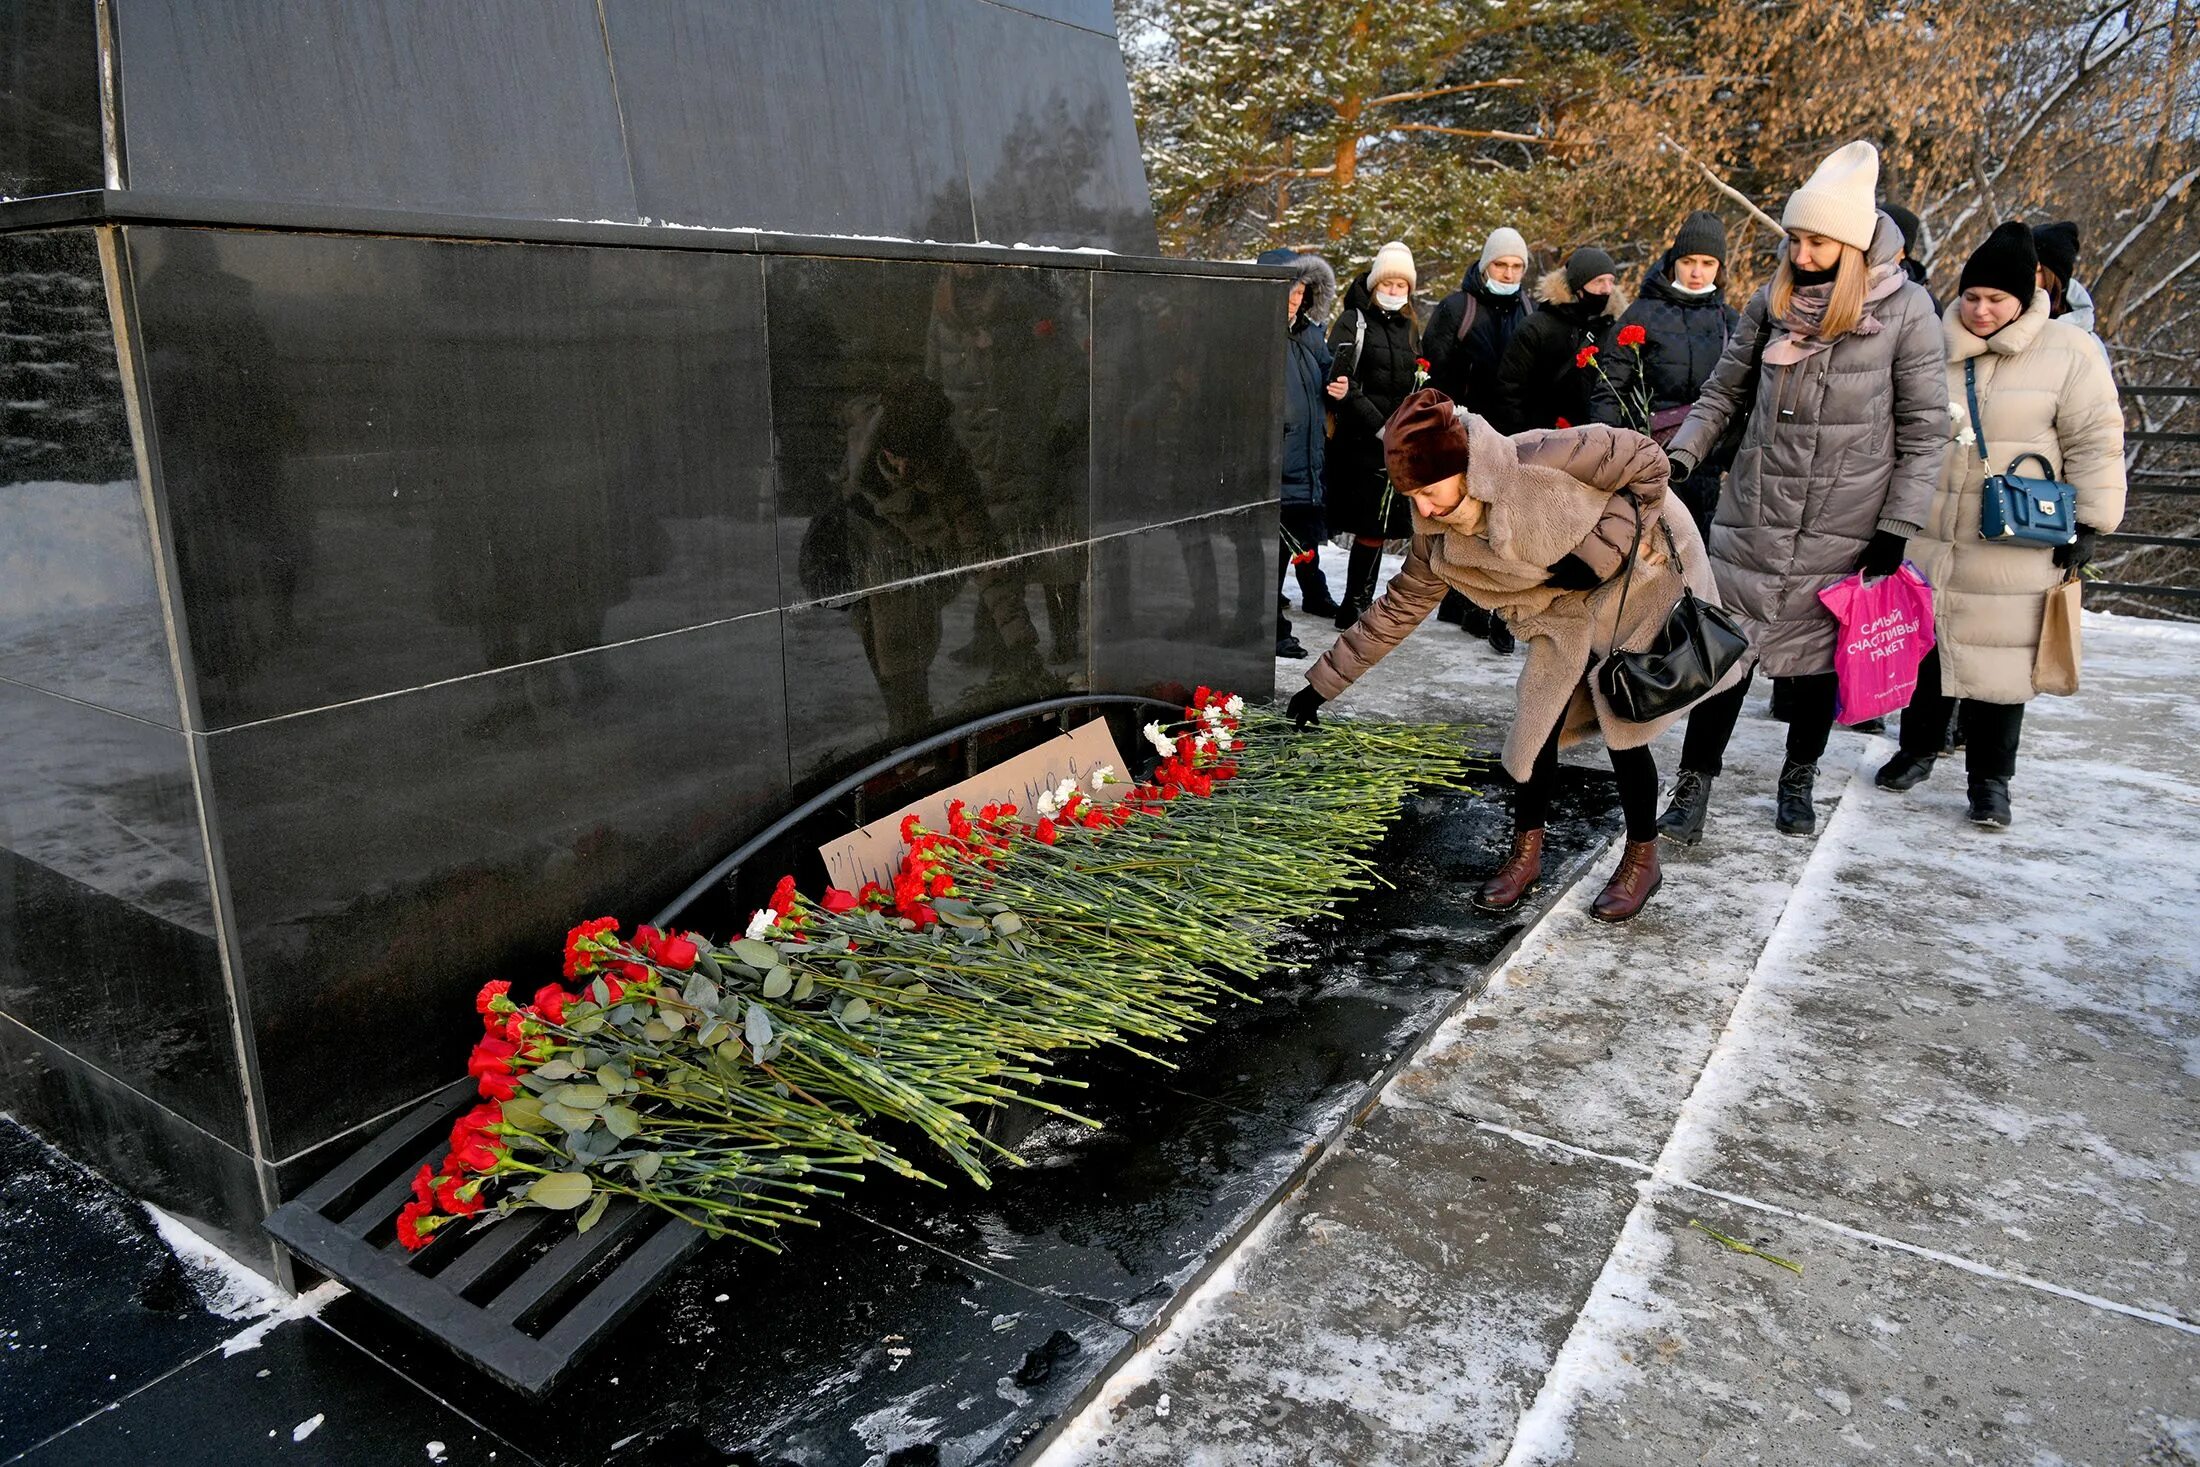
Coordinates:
(304, 1306)
(226, 1287)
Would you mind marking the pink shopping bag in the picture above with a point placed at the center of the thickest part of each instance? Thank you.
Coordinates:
(1886, 630)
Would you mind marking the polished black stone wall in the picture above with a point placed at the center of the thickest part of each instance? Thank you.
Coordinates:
(948, 120)
(473, 587)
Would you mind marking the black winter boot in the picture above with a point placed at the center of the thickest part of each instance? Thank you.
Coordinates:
(1989, 802)
(1794, 814)
(1361, 573)
(1453, 609)
(1314, 597)
(1682, 821)
(1905, 771)
(1501, 636)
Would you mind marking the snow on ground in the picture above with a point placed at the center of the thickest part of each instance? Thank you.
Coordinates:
(1951, 1075)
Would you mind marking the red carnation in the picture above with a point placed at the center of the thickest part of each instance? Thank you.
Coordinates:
(459, 1198)
(1564, 424)
(1585, 356)
(1421, 362)
(1632, 335)
(490, 993)
(409, 1231)
(424, 1184)
(1045, 833)
(782, 900)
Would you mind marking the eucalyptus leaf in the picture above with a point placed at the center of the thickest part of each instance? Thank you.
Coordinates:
(759, 1027)
(804, 987)
(772, 1050)
(657, 1031)
(557, 1069)
(712, 1032)
(761, 956)
(538, 1082)
(567, 1120)
(1008, 924)
(578, 1097)
(963, 919)
(849, 971)
(947, 906)
(673, 1019)
(700, 992)
(730, 1051)
(525, 1112)
(778, 983)
(563, 1191)
(589, 1025)
(593, 1211)
(856, 1012)
(645, 1166)
(622, 1122)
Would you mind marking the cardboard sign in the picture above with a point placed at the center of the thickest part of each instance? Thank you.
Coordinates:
(873, 852)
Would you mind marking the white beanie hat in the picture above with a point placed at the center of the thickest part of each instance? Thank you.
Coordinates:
(1503, 242)
(1841, 201)
(1393, 259)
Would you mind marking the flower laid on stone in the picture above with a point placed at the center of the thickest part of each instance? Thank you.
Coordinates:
(732, 1084)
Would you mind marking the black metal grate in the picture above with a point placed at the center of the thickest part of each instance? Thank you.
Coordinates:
(525, 1298)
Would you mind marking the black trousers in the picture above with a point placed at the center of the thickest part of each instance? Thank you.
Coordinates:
(1809, 703)
(1638, 789)
(1990, 730)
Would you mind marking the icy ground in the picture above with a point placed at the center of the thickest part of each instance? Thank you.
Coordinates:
(1948, 1076)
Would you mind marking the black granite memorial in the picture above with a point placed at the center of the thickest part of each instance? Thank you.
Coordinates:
(463, 467)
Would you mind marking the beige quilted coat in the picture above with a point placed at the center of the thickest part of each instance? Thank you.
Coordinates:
(2043, 388)
(1532, 500)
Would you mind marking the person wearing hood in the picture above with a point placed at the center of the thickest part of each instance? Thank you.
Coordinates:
(1546, 374)
(1572, 536)
(1681, 326)
(2041, 387)
(1911, 227)
(1375, 350)
(1837, 365)
(1305, 415)
(1464, 343)
(2057, 247)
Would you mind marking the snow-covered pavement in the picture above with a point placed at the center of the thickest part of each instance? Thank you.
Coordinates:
(1946, 1078)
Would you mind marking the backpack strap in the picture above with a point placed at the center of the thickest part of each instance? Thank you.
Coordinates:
(1466, 317)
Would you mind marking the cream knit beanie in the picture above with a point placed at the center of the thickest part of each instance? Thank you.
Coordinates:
(1841, 199)
(1503, 242)
(1393, 259)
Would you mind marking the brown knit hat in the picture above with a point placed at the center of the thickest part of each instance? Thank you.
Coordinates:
(1424, 441)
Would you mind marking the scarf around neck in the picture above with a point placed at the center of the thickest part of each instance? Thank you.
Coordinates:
(1806, 314)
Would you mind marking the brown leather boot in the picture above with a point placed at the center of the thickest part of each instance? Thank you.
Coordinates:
(1633, 884)
(1517, 877)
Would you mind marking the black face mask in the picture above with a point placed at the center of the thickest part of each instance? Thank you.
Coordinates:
(1596, 302)
(1815, 277)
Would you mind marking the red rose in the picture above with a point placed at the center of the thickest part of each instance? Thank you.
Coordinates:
(1564, 424)
(678, 954)
(490, 993)
(492, 1056)
(1045, 833)
(837, 901)
(1585, 356)
(1632, 335)
(499, 1087)
(550, 1002)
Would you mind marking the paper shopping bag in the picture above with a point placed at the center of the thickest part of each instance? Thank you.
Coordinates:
(2055, 665)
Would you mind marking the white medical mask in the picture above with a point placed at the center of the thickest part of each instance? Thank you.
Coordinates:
(1390, 302)
(1502, 287)
(1694, 294)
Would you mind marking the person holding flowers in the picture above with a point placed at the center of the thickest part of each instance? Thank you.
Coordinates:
(1550, 529)
(1668, 341)
(1550, 364)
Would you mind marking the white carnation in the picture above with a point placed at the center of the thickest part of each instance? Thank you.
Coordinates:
(1103, 777)
(1159, 738)
(761, 924)
(1235, 707)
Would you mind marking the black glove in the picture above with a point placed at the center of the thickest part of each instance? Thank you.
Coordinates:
(1679, 468)
(2078, 554)
(1305, 707)
(1883, 556)
(1572, 573)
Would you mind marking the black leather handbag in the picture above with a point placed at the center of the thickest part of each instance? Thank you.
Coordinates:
(1698, 645)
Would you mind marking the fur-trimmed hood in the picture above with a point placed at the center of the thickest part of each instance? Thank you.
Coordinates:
(1552, 290)
(1311, 271)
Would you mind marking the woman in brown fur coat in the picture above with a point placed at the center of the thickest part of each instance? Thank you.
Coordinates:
(1537, 528)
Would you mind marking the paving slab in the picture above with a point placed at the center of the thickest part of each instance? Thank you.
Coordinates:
(1695, 1353)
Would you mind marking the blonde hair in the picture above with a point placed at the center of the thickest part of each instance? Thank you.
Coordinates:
(1850, 279)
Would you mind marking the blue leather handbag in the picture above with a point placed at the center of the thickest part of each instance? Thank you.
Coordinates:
(2018, 508)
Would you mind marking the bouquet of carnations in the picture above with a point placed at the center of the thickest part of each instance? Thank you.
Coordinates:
(731, 1083)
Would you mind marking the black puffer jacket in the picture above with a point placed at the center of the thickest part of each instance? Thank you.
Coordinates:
(1685, 335)
(1538, 383)
(1381, 379)
(1465, 369)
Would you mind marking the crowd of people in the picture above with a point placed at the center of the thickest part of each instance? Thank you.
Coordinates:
(1564, 464)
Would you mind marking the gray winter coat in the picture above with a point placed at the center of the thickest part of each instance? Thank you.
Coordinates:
(1842, 444)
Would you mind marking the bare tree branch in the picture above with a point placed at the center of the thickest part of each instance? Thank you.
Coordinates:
(1422, 96)
(1723, 186)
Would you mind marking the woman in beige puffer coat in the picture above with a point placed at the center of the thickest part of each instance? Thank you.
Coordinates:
(2043, 388)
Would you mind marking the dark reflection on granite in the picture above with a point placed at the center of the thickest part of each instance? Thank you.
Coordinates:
(1047, 128)
(386, 857)
(49, 99)
(1187, 382)
(79, 607)
(106, 917)
(802, 116)
(228, 1410)
(1093, 15)
(96, 1304)
(1113, 1221)
(869, 675)
(927, 417)
(390, 462)
(1193, 601)
(855, 1346)
(145, 1149)
(500, 107)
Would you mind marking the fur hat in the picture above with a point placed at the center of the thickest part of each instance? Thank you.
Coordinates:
(1392, 259)
(1840, 200)
(1425, 440)
(2057, 245)
(1701, 233)
(1503, 241)
(2007, 262)
(1585, 265)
